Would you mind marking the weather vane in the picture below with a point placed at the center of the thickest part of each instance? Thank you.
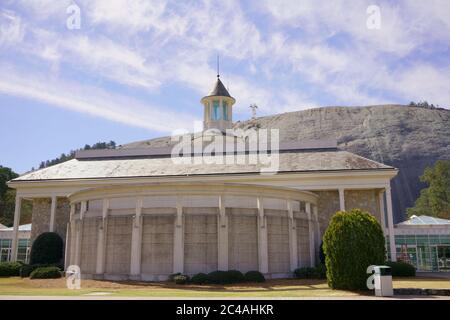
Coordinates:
(253, 107)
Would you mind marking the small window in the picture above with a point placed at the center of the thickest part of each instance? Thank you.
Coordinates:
(216, 110)
(225, 110)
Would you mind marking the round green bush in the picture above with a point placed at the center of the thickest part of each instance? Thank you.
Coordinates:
(401, 269)
(10, 269)
(235, 276)
(46, 273)
(181, 279)
(318, 272)
(352, 242)
(219, 277)
(254, 276)
(200, 278)
(47, 249)
(173, 275)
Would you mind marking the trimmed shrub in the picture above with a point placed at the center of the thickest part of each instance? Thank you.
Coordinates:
(235, 276)
(200, 278)
(47, 249)
(254, 276)
(46, 273)
(318, 272)
(321, 254)
(219, 277)
(173, 275)
(401, 269)
(305, 273)
(181, 279)
(352, 242)
(321, 271)
(10, 269)
(26, 269)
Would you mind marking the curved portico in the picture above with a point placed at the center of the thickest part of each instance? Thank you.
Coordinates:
(150, 231)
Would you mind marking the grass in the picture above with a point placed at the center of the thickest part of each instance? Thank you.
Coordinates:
(283, 288)
(287, 288)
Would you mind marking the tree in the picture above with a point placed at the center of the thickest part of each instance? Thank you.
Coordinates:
(8, 199)
(352, 242)
(47, 249)
(435, 199)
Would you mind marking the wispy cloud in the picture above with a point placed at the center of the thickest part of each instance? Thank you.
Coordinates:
(282, 55)
(91, 100)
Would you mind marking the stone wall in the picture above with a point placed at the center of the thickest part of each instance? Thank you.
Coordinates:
(62, 217)
(200, 243)
(41, 217)
(366, 200)
(157, 245)
(118, 245)
(278, 244)
(328, 204)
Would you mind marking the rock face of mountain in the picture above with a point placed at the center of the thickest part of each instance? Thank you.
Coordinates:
(408, 138)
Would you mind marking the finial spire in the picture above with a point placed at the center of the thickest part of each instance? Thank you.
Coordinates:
(218, 73)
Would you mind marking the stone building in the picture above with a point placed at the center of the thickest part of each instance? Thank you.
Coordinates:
(145, 213)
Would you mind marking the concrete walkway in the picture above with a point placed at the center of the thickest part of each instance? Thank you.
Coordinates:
(441, 275)
(401, 297)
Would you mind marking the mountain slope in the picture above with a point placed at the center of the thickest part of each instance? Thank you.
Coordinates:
(408, 138)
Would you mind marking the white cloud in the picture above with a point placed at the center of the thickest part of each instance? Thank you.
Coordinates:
(11, 28)
(90, 100)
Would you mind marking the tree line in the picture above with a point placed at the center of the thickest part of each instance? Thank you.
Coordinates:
(8, 195)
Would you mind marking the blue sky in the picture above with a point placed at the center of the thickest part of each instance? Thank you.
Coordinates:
(137, 69)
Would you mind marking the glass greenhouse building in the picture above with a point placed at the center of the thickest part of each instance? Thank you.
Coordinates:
(424, 242)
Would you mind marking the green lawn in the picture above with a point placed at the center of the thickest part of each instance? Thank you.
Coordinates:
(269, 289)
(286, 288)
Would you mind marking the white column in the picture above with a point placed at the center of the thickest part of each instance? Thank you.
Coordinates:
(263, 258)
(178, 243)
(15, 241)
(390, 218)
(341, 199)
(53, 214)
(80, 234)
(222, 233)
(382, 213)
(312, 249)
(136, 240)
(101, 239)
(318, 238)
(68, 251)
(293, 256)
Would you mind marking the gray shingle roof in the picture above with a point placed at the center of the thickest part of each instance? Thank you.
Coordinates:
(157, 166)
(219, 90)
(424, 220)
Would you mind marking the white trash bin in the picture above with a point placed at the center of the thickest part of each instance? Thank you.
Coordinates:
(383, 281)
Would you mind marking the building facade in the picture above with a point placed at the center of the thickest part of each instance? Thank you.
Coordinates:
(145, 213)
(424, 242)
(23, 243)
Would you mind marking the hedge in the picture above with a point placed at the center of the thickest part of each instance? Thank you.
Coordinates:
(26, 269)
(401, 269)
(10, 269)
(46, 273)
(200, 278)
(318, 272)
(47, 249)
(353, 241)
(254, 276)
(181, 279)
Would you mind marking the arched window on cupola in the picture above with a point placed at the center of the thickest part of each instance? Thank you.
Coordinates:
(225, 110)
(216, 115)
